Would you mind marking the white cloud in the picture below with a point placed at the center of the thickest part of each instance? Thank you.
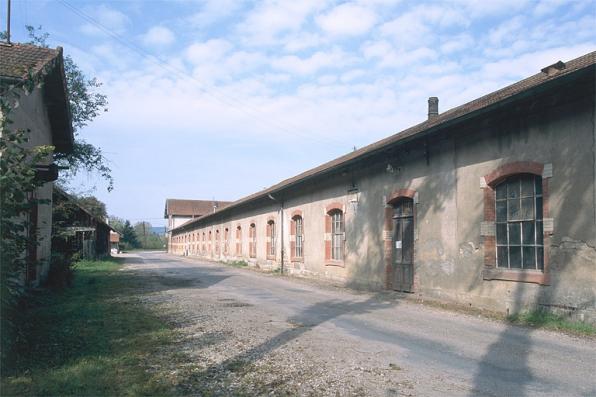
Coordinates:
(546, 7)
(407, 31)
(507, 31)
(111, 19)
(158, 36)
(208, 52)
(347, 19)
(303, 40)
(457, 43)
(264, 24)
(213, 12)
(318, 60)
(390, 57)
(352, 75)
(327, 79)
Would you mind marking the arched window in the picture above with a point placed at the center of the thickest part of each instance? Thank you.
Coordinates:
(226, 241)
(334, 235)
(297, 237)
(271, 238)
(217, 241)
(238, 240)
(252, 237)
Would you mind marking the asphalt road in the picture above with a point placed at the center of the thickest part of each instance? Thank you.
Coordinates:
(479, 356)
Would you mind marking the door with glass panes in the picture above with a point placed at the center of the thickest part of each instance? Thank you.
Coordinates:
(403, 246)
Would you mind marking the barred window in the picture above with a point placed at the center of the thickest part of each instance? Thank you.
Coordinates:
(271, 226)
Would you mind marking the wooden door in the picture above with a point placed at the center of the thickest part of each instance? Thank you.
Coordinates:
(403, 247)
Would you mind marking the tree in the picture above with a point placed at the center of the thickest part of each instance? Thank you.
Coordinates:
(116, 223)
(96, 207)
(129, 237)
(143, 229)
(85, 105)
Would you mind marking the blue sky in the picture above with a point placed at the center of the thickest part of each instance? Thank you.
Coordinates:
(219, 99)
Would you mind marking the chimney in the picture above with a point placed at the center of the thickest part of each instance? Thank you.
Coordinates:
(433, 107)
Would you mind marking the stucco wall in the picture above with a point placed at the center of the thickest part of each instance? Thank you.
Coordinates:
(31, 115)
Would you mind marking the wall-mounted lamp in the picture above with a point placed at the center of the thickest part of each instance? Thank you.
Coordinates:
(354, 196)
(389, 168)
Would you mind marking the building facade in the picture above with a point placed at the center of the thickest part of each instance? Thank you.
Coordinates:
(44, 112)
(491, 204)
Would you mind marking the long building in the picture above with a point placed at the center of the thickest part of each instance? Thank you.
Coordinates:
(491, 204)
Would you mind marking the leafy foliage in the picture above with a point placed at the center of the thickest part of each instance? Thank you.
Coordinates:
(17, 184)
(95, 206)
(129, 237)
(85, 105)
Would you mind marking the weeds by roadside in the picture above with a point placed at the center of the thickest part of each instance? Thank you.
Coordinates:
(93, 339)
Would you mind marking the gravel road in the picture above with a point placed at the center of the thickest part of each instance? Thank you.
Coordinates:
(245, 333)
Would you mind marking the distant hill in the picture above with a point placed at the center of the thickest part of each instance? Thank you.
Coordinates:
(159, 230)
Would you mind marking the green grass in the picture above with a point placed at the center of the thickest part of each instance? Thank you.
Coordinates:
(543, 319)
(94, 339)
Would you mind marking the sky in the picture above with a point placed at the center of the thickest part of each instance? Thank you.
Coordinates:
(220, 99)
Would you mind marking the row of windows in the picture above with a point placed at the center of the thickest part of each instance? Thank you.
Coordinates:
(297, 244)
(518, 204)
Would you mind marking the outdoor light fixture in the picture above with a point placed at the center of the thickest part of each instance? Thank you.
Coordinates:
(354, 195)
(389, 168)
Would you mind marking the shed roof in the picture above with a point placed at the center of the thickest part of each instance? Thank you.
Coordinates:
(182, 207)
(551, 75)
(22, 62)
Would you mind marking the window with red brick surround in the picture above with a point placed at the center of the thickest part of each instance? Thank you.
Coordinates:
(252, 240)
(239, 240)
(271, 238)
(297, 237)
(226, 241)
(516, 226)
(217, 241)
(335, 236)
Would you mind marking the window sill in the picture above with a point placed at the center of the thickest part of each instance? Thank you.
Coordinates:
(330, 262)
(271, 257)
(296, 259)
(523, 276)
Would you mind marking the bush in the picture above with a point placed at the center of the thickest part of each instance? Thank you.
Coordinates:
(62, 271)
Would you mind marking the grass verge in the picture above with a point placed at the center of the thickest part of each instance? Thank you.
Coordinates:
(94, 339)
(543, 319)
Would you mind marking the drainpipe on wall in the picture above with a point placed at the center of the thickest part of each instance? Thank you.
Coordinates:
(282, 231)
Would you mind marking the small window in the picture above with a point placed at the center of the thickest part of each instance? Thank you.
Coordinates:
(271, 239)
(253, 240)
(337, 236)
(298, 237)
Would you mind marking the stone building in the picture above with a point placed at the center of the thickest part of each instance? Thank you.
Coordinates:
(491, 204)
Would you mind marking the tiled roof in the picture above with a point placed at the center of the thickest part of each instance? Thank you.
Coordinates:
(192, 207)
(455, 115)
(21, 61)
(17, 59)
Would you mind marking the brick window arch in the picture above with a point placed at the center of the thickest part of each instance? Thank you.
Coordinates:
(297, 237)
(516, 226)
(335, 236)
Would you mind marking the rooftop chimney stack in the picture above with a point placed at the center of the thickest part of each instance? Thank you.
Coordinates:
(433, 107)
